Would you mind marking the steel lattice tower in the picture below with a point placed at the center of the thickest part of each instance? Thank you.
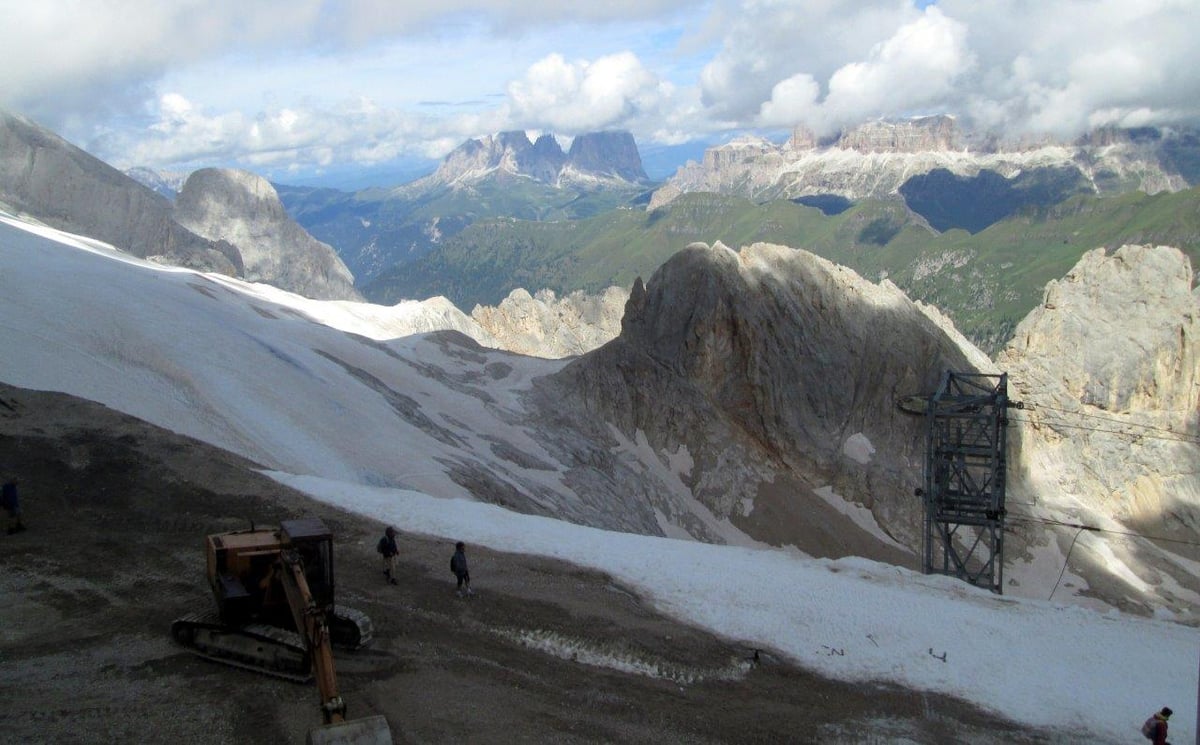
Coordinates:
(964, 478)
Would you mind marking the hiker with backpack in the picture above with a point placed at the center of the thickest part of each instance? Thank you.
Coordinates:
(458, 565)
(1155, 728)
(388, 550)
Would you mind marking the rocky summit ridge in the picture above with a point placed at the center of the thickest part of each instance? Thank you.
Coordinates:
(769, 375)
(875, 159)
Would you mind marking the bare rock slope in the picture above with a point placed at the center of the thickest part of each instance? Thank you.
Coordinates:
(243, 209)
(45, 177)
(765, 379)
(1109, 370)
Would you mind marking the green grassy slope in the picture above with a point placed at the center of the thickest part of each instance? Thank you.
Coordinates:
(986, 282)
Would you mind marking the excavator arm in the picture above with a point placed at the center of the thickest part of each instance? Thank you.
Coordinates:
(311, 623)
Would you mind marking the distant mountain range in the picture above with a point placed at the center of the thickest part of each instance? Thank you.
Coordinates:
(972, 226)
(953, 179)
(503, 175)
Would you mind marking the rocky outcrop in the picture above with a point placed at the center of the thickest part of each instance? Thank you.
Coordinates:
(545, 325)
(1108, 369)
(1109, 366)
(611, 155)
(244, 210)
(768, 378)
(601, 157)
(47, 178)
(874, 160)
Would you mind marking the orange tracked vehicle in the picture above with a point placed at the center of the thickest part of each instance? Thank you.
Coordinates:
(274, 591)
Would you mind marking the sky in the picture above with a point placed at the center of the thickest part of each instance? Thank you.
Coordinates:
(284, 381)
(305, 87)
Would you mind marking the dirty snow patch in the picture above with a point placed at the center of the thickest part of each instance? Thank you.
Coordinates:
(858, 514)
(858, 448)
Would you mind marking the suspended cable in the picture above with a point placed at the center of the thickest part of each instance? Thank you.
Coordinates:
(1094, 529)
(1107, 419)
(1176, 436)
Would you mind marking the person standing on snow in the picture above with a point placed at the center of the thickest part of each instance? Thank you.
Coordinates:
(388, 550)
(458, 565)
(1155, 728)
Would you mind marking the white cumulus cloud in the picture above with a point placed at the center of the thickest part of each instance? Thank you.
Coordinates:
(575, 97)
(173, 82)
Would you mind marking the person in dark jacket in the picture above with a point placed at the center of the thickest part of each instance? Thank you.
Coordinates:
(1155, 727)
(458, 565)
(12, 506)
(388, 550)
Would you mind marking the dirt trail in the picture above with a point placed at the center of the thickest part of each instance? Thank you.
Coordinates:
(117, 510)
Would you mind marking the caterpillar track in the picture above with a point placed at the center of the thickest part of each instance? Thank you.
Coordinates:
(263, 648)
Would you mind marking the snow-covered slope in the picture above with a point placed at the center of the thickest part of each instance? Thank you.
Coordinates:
(251, 368)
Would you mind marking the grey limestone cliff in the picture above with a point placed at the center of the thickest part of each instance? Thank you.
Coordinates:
(243, 209)
(1108, 368)
(771, 375)
(45, 177)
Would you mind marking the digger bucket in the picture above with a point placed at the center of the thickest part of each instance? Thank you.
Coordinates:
(366, 731)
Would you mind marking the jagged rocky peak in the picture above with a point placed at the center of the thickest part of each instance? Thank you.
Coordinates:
(546, 325)
(505, 152)
(243, 209)
(600, 156)
(613, 154)
(776, 372)
(546, 159)
(45, 176)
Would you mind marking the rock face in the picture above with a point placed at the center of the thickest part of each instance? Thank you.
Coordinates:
(1110, 367)
(244, 210)
(765, 380)
(1109, 370)
(928, 134)
(544, 325)
(46, 177)
(606, 155)
(876, 159)
(602, 157)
